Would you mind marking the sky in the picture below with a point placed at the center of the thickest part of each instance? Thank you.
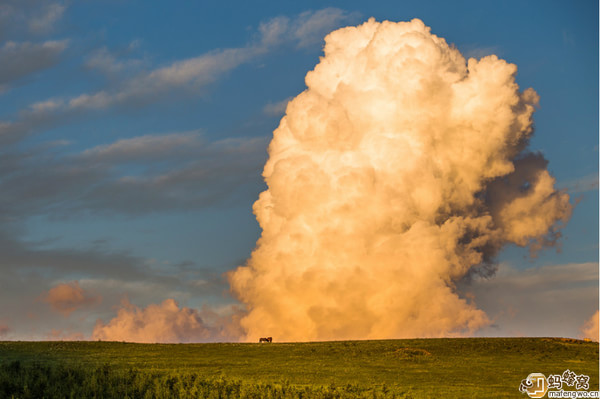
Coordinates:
(133, 137)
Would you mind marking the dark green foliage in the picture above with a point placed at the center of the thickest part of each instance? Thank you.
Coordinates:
(59, 381)
(465, 368)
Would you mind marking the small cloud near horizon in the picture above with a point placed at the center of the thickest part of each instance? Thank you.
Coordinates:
(68, 297)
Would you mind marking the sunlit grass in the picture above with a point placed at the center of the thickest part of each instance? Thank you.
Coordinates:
(476, 367)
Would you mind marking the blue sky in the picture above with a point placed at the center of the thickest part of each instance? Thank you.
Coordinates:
(133, 136)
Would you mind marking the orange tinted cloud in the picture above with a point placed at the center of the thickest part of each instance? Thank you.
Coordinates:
(68, 297)
(397, 172)
(590, 328)
(165, 322)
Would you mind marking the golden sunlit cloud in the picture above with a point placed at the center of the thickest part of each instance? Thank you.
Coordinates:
(166, 322)
(397, 172)
(590, 328)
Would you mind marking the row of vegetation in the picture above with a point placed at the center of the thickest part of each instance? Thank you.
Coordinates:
(60, 381)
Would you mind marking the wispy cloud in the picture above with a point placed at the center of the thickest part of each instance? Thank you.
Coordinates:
(582, 184)
(173, 171)
(193, 185)
(186, 76)
(148, 147)
(276, 108)
(113, 65)
(307, 29)
(170, 172)
(29, 16)
(20, 257)
(45, 19)
(18, 60)
(147, 87)
(312, 26)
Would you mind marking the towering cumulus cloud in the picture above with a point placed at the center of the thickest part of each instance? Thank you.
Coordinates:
(401, 169)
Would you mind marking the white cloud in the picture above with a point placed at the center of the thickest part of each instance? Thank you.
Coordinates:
(390, 177)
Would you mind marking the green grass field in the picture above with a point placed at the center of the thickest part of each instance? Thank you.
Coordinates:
(416, 368)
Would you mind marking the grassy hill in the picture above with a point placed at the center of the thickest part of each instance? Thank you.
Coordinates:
(416, 368)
